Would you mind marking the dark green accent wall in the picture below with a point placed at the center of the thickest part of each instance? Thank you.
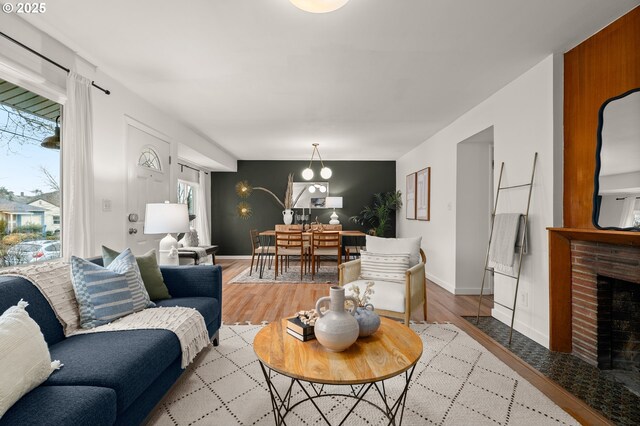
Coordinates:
(355, 181)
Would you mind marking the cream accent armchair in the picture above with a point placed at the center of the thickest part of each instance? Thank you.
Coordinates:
(389, 298)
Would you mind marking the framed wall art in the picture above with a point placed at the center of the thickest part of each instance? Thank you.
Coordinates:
(423, 194)
(410, 196)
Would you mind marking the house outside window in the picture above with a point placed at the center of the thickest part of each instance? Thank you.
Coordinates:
(30, 212)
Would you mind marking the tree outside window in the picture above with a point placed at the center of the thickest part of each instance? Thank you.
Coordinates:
(30, 223)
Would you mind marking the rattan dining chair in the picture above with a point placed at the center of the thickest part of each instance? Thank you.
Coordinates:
(289, 243)
(325, 243)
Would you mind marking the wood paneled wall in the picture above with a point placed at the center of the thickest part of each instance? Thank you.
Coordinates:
(603, 66)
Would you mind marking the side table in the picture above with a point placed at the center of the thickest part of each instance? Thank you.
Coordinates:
(362, 369)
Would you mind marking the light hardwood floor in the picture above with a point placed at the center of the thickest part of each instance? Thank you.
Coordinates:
(255, 303)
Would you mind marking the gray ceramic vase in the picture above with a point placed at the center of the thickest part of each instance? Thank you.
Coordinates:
(368, 320)
(337, 328)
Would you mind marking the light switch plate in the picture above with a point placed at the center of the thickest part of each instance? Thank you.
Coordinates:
(106, 205)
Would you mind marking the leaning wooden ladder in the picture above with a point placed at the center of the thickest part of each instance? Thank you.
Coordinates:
(522, 244)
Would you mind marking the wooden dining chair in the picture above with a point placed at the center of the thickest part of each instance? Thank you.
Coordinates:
(325, 243)
(258, 250)
(289, 243)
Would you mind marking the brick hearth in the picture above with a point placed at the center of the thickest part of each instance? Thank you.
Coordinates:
(588, 260)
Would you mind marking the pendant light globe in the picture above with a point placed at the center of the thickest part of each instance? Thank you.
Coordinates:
(319, 6)
(307, 174)
(326, 173)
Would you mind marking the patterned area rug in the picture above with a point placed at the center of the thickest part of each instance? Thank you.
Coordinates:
(327, 274)
(456, 382)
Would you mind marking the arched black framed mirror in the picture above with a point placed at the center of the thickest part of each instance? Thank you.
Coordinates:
(616, 195)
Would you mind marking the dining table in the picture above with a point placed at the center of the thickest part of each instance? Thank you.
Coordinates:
(267, 236)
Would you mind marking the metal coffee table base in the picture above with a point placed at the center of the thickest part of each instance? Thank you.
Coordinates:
(281, 401)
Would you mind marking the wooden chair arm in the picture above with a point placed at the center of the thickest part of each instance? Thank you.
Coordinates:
(349, 272)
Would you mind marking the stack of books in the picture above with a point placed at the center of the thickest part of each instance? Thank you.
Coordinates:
(300, 330)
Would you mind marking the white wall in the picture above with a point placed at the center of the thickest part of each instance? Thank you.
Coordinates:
(525, 118)
(109, 122)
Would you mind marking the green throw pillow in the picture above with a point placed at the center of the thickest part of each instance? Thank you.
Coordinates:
(149, 270)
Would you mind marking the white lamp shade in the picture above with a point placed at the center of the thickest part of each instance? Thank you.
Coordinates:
(163, 218)
(312, 189)
(333, 202)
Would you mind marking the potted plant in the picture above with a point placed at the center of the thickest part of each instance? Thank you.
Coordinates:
(378, 216)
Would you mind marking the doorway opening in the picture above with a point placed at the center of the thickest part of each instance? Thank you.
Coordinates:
(474, 201)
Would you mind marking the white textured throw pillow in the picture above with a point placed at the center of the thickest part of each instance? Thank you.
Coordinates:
(24, 356)
(383, 267)
(396, 246)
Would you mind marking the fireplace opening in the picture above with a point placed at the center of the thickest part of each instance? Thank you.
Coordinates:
(619, 330)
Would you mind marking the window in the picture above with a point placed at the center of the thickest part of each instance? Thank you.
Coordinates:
(187, 195)
(149, 159)
(30, 179)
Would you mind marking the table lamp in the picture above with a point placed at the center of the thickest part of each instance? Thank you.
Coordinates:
(166, 217)
(336, 203)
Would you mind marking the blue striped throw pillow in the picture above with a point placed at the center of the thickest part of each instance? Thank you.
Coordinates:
(103, 295)
(125, 263)
(384, 267)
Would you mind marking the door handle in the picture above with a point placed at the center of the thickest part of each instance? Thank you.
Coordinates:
(133, 217)
(133, 231)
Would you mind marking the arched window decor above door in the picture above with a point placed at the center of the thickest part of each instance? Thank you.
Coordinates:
(149, 159)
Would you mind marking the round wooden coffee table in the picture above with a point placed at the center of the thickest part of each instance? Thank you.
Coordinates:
(393, 350)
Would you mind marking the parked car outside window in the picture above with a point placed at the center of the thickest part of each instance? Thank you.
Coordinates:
(33, 251)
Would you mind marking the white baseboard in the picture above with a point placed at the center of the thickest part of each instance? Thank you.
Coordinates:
(239, 257)
(464, 291)
(505, 317)
(442, 283)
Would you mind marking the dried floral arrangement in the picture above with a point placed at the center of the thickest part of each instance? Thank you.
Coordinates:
(365, 296)
(244, 190)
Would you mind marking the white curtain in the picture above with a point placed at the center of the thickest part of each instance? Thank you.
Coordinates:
(77, 168)
(626, 220)
(202, 222)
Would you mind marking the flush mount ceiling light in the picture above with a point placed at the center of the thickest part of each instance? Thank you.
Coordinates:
(325, 172)
(319, 6)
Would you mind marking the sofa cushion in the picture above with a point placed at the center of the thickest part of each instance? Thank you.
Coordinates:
(125, 361)
(149, 270)
(24, 356)
(387, 296)
(384, 267)
(12, 289)
(208, 307)
(103, 295)
(125, 263)
(396, 246)
(63, 405)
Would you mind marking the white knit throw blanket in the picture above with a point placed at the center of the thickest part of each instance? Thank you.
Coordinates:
(53, 279)
(186, 323)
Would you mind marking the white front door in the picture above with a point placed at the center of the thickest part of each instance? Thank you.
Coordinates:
(148, 181)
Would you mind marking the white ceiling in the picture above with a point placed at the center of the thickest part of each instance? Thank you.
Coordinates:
(372, 80)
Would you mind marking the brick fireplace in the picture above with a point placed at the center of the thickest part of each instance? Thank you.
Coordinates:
(604, 302)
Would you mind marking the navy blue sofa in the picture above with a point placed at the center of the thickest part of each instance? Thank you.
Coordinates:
(114, 377)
